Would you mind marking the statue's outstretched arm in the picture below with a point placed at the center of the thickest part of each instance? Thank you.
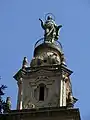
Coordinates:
(42, 23)
(58, 27)
(40, 20)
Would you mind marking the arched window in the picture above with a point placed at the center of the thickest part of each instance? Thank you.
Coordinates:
(41, 92)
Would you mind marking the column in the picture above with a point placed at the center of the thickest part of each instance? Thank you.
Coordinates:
(20, 94)
(63, 91)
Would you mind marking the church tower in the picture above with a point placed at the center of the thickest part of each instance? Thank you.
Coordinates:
(44, 83)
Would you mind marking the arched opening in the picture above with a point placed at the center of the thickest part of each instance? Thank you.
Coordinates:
(41, 92)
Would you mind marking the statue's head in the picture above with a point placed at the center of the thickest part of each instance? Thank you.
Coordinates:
(25, 59)
(49, 18)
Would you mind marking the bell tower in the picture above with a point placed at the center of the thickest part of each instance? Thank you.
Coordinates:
(45, 81)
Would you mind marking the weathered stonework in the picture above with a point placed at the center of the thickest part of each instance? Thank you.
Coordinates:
(44, 86)
(54, 91)
(45, 114)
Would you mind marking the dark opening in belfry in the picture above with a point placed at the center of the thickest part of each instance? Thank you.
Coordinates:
(41, 92)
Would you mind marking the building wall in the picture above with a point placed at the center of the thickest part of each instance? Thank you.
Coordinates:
(51, 82)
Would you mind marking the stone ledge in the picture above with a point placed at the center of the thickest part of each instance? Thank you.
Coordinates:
(61, 112)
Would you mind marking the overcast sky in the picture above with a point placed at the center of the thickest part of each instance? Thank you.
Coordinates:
(20, 29)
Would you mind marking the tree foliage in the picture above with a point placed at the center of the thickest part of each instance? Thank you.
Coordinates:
(2, 88)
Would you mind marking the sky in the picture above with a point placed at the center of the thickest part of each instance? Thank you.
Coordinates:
(20, 29)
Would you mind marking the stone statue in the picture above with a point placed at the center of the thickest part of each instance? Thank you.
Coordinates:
(71, 100)
(63, 60)
(7, 105)
(25, 63)
(51, 29)
(8, 102)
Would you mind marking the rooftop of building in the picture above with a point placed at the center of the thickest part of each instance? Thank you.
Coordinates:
(60, 112)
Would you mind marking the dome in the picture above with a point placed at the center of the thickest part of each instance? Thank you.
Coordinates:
(41, 44)
(46, 53)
